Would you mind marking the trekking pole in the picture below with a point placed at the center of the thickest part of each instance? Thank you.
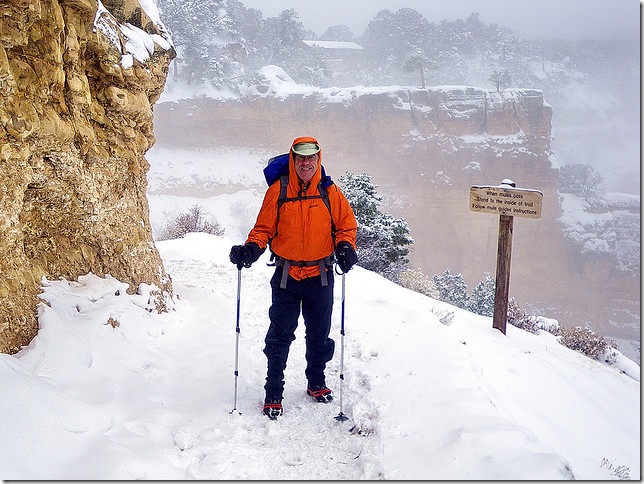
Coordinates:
(341, 416)
(239, 270)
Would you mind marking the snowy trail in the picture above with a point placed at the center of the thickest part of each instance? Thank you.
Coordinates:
(249, 445)
(109, 390)
(451, 413)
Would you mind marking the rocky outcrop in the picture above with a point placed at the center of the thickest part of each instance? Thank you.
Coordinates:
(424, 149)
(78, 80)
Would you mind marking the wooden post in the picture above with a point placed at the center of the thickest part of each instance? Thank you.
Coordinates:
(503, 258)
(507, 201)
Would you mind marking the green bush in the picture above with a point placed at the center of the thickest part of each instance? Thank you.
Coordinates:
(382, 241)
(451, 288)
(482, 298)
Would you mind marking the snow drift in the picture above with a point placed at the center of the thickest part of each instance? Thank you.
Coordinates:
(110, 390)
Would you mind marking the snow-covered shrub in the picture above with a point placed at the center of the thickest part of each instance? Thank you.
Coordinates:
(482, 299)
(444, 316)
(585, 341)
(623, 473)
(195, 220)
(518, 316)
(416, 280)
(548, 324)
(452, 289)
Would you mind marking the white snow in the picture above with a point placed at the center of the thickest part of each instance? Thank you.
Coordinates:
(139, 44)
(280, 85)
(109, 390)
(332, 44)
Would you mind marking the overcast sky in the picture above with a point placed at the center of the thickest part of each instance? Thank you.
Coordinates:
(572, 19)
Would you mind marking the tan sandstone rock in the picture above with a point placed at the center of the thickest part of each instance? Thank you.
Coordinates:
(75, 123)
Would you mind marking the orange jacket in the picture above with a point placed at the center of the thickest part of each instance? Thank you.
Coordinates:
(304, 230)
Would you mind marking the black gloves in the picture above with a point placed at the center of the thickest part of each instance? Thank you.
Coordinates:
(245, 255)
(346, 256)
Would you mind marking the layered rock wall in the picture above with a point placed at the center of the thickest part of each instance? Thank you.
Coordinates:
(424, 149)
(75, 123)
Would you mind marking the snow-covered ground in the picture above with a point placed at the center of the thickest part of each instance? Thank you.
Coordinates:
(610, 227)
(109, 390)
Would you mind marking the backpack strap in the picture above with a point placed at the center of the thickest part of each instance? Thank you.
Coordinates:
(283, 187)
(322, 188)
(281, 200)
(324, 195)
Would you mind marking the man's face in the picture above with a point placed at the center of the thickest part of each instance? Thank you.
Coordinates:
(305, 166)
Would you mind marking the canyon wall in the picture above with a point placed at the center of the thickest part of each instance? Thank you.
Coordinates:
(78, 81)
(424, 149)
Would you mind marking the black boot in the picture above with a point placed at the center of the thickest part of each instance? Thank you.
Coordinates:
(320, 393)
(273, 408)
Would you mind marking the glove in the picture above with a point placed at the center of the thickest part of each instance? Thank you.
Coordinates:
(245, 255)
(346, 256)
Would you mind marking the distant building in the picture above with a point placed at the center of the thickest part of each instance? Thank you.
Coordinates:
(337, 55)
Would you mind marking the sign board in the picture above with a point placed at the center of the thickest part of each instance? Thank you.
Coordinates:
(506, 200)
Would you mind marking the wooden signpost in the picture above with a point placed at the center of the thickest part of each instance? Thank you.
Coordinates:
(508, 202)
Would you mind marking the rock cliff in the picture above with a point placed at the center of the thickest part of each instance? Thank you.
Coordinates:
(78, 81)
(424, 149)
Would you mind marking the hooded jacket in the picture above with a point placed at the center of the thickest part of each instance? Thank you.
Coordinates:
(302, 232)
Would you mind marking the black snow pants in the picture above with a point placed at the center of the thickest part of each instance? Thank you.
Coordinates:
(315, 302)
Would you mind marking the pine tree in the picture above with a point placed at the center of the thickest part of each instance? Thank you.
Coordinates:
(208, 39)
(482, 299)
(500, 78)
(339, 33)
(283, 44)
(391, 36)
(382, 240)
(418, 60)
(452, 289)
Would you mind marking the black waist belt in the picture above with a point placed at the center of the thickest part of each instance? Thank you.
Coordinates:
(286, 263)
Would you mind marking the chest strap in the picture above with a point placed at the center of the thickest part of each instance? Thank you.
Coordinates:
(286, 263)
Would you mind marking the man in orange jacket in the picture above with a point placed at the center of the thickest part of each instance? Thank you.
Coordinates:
(304, 234)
